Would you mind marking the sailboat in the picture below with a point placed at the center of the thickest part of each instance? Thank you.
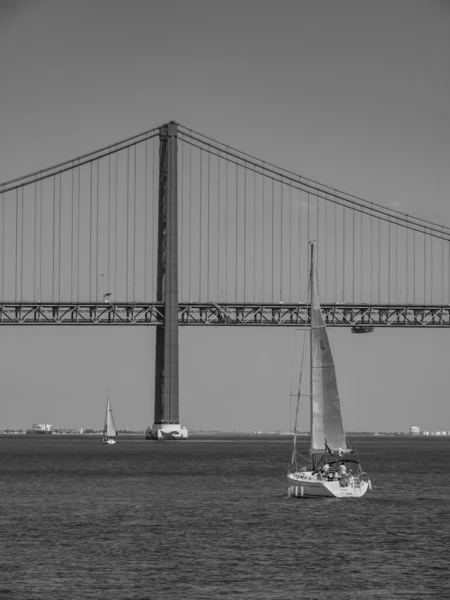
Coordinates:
(109, 429)
(333, 468)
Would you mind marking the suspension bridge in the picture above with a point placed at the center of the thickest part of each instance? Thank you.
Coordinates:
(171, 228)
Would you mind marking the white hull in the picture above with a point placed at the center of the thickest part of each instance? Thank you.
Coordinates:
(307, 485)
(108, 441)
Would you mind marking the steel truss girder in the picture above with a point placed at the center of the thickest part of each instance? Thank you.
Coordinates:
(196, 314)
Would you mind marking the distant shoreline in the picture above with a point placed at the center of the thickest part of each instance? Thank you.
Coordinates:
(199, 434)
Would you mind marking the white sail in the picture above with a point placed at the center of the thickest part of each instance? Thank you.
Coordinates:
(109, 429)
(327, 431)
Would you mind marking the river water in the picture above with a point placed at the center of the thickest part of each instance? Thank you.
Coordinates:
(210, 519)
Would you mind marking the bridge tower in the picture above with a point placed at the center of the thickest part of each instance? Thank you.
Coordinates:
(167, 420)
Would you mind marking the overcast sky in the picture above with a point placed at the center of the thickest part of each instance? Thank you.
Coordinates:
(354, 94)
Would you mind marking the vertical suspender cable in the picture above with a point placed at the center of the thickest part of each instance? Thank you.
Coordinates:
(71, 231)
(326, 247)
(59, 237)
(3, 245)
(35, 243)
(226, 228)
(343, 253)
(78, 233)
(17, 245)
(97, 229)
(273, 233)
(407, 264)
(145, 218)
(190, 222)
(108, 283)
(53, 238)
(134, 225)
(353, 260)
(237, 220)
(181, 229)
(263, 181)
(153, 215)
(299, 245)
(218, 228)
(208, 250)
(448, 271)
(424, 268)
(431, 269)
(200, 232)
(362, 255)
(308, 233)
(245, 228)
(389, 262)
(442, 267)
(281, 239)
(40, 242)
(371, 257)
(396, 262)
(414, 266)
(317, 226)
(290, 245)
(335, 254)
(254, 236)
(128, 226)
(21, 245)
(379, 260)
(90, 231)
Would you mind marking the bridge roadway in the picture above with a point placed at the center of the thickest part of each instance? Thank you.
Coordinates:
(356, 316)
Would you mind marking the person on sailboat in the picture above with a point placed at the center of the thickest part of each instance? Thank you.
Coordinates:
(342, 469)
(350, 478)
(343, 474)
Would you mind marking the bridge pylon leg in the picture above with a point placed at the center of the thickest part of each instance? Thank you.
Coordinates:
(167, 419)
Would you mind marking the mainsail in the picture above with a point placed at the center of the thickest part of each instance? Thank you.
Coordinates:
(110, 428)
(327, 430)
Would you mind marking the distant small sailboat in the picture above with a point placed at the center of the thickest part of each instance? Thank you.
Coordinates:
(329, 472)
(109, 429)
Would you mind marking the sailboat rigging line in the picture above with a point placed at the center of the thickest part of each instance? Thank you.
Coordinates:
(299, 395)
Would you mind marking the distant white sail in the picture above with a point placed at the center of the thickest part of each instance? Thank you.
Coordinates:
(109, 429)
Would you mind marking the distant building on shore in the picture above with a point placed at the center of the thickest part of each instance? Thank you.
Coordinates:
(414, 430)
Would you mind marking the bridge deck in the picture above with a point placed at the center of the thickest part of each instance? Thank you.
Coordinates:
(201, 314)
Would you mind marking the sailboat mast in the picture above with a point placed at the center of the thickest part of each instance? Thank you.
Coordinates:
(311, 300)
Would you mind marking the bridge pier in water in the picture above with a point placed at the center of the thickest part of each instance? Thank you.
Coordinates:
(167, 419)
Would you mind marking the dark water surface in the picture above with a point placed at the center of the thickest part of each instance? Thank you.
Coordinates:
(211, 520)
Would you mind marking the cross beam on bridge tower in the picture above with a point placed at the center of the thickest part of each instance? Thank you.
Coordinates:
(167, 420)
